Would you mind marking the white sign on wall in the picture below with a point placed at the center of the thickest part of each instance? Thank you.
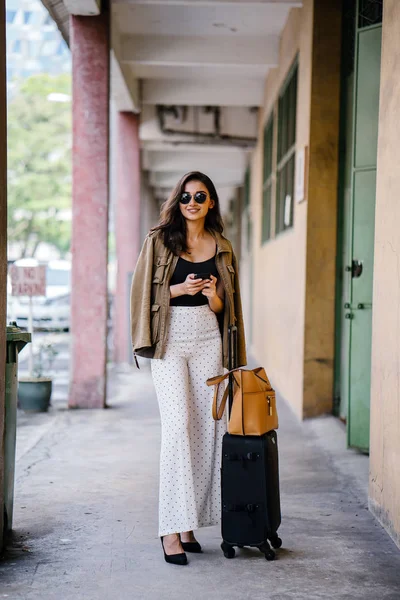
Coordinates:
(301, 166)
(28, 281)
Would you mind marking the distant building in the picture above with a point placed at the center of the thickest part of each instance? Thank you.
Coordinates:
(34, 43)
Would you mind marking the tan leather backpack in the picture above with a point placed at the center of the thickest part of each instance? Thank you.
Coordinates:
(254, 404)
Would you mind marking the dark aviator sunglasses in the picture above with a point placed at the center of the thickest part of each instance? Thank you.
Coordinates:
(199, 197)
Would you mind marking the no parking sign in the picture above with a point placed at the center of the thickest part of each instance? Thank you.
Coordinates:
(28, 281)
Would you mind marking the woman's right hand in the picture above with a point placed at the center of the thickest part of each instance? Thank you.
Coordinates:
(192, 286)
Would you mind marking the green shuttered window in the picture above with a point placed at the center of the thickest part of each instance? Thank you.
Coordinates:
(247, 208)
(279, 161)
(267, 179)
(286, 153)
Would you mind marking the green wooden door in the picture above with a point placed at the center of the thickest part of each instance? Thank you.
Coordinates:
(344, 243)
(359, 271)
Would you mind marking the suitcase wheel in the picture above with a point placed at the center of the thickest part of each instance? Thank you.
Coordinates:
(229, 551)
(276, 541)
(270, 555)
(267, 551)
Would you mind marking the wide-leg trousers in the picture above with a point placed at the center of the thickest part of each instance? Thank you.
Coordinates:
(191, 441)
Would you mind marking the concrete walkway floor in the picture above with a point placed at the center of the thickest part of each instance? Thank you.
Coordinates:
(86, 515)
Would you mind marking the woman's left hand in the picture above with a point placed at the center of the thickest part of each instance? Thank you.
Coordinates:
(210, 288)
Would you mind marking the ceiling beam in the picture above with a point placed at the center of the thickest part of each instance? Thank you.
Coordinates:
(197, 92)
(220, 177)
(147, 71)
(84, 8)
(167, 146)
(189, 161)
(124, 88)
(200, 50)
(285, 3)
(124, 85)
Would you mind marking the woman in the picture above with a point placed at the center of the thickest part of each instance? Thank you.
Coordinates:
(177, 319)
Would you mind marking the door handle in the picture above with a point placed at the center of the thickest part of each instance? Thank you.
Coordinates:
(356, 268)
(349, 316)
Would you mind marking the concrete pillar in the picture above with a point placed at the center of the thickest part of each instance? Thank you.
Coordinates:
(384, 485)
(319, 332)
(90, 47)
(127, 227)
(3, 248)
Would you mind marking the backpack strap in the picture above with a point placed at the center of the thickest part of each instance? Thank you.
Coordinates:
(220, 378)
(218, 412)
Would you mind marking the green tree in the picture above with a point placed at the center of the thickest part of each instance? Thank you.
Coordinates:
(39, 163)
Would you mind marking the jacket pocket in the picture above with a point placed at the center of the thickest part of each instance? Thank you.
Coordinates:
(155, 323)
(160, 267)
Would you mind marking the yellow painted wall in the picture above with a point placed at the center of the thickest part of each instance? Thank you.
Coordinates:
(286, 290)
(279, 265)
(384, 486)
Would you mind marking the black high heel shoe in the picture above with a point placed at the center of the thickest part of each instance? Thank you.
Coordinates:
(174, 559)
(192, 547)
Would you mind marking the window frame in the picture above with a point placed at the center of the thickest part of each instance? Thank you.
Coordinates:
(268, 178)
(11, 14)
(286, 148)
(26, 17)
(246, 212)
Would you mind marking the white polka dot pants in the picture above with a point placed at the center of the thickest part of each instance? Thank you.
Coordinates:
(191, 441)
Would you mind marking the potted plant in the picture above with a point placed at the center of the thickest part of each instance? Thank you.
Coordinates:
(34, 392)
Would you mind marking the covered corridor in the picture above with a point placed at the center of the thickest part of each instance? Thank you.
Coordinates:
(263, 101)
(86, 514)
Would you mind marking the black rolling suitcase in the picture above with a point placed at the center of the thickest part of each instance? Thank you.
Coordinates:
(251, 512)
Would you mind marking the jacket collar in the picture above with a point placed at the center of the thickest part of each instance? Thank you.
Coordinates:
(222, 243)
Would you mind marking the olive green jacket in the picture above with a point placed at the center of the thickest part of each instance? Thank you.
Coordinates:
(150, 297)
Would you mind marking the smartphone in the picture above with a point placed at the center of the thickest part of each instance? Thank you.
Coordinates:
(202, 276)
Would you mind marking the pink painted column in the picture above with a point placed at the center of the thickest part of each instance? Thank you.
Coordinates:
(3, 248)
(127, 227)
(91, 99)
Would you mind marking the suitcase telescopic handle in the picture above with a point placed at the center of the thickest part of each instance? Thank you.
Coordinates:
(232, 361)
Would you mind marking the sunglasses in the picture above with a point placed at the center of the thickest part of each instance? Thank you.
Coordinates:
(199, 197)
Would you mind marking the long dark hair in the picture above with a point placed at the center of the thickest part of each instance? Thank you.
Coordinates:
(172, 224)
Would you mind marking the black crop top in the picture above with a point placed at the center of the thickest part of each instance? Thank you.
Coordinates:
(182, 270)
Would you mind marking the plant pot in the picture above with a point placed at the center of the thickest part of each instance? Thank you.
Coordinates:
(34, 394)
